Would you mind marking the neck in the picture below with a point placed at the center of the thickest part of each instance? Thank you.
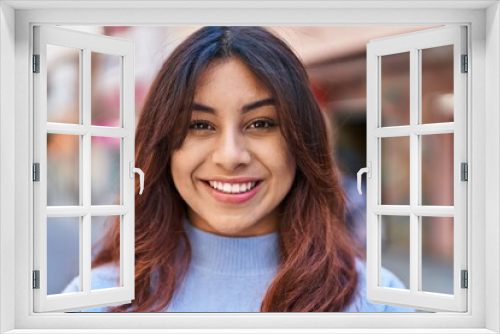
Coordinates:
(235, 256)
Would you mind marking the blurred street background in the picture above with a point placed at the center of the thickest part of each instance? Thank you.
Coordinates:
(335, 58)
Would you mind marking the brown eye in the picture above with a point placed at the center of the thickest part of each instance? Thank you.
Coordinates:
(262, 124)
(200, 126)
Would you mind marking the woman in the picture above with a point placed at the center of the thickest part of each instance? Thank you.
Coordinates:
(242, 208)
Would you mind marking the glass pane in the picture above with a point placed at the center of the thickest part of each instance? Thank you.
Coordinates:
(437, 254)
(63, 84)
(63, 170)
(437, 84)
(395, 233)
(63, 252)
(106, 169)
(395, 90)
(103, 227)
(106, 79)
(395, 170)
(437, 169)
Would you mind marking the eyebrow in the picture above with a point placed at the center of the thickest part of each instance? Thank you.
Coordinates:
(246, 108)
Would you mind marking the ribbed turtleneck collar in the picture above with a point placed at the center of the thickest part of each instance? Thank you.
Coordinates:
(233, 256)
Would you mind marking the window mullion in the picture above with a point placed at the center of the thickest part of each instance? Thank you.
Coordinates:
(415, 267)
(80, 169)
(85, 241)
(80, 130)
(421, 210)
(433, 129)
(392, 210)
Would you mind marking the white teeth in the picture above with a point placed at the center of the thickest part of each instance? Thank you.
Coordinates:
(233, 188)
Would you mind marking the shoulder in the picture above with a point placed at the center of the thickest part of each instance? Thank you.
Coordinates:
(361, 303)
(102, 277)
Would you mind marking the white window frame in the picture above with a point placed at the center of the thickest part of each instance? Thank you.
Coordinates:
(85, 44)
(413, 44)
(483, 21)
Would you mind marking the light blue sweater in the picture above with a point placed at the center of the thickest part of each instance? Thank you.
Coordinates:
(229, 274)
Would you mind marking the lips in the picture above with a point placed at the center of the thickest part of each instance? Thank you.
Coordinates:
(239, 179)
(233, 188)
(233, 198)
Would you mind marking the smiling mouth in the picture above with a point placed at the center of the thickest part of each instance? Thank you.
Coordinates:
(232, 188)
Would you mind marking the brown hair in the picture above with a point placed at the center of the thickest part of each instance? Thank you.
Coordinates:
(317, 271)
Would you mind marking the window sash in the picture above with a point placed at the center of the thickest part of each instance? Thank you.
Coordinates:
(413, 43)
(87, 297)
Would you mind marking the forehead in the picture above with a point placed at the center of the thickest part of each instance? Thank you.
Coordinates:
(230, 76)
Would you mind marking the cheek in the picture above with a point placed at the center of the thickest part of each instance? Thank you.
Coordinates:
(185, 162)
(283, 164)
(182, 166)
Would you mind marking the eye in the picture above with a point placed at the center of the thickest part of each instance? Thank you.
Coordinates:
(262, 124)
(200, 126)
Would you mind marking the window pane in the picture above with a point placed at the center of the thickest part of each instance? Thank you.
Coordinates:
(105, 170)
(437, 84)
(63, 252)
(437, 169)
(395, 234)
(437, 254)
(63, 170)
(395, 90)
(63, 84)
(395, 170)
(101, 227)
(106, 99)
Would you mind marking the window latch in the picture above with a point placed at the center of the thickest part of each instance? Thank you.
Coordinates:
(133, 170)
(368, 171)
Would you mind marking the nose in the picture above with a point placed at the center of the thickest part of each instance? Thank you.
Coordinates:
(230, 151)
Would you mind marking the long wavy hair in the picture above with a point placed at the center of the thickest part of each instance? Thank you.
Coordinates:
(317, 258)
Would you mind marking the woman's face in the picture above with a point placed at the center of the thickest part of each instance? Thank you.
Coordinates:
(234, 167)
